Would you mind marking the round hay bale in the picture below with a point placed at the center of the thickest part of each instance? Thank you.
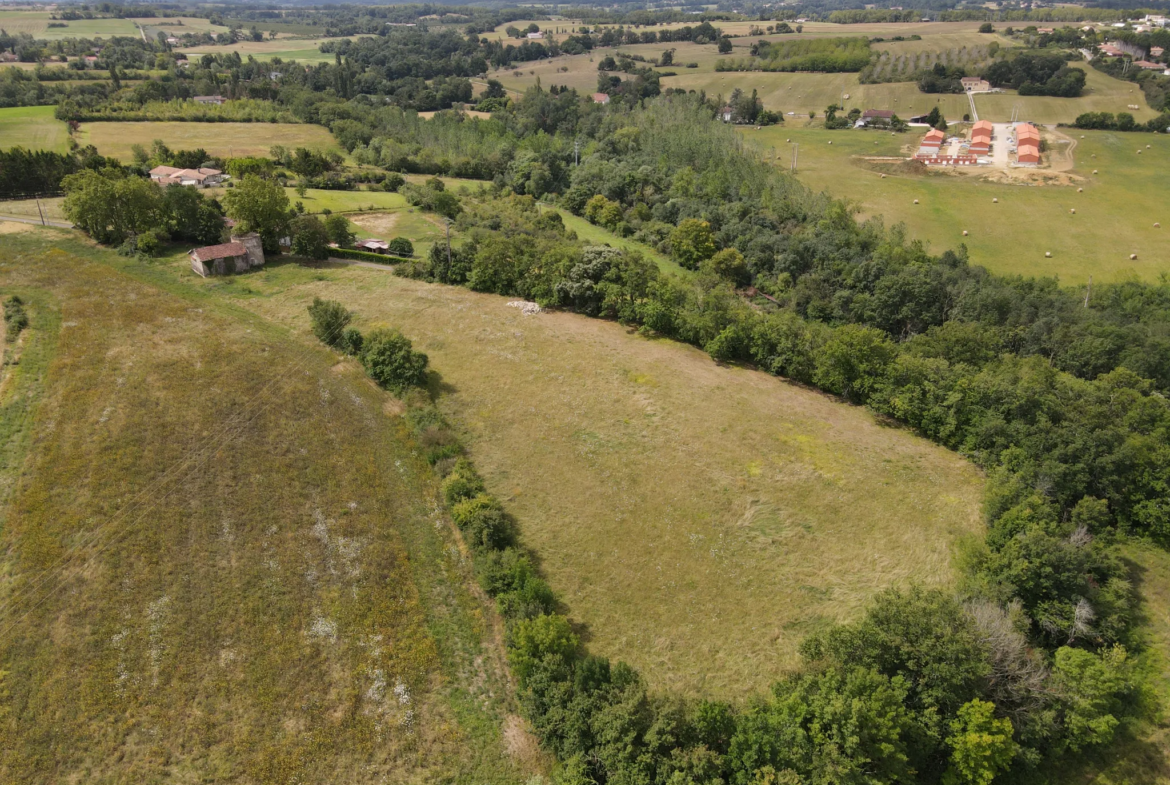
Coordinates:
(964, 232)
(1094, 171)
(1048, 254)
(995, 200)
(1147, 147)
(1082, 136)
(915, 201)
(787, 140)
(1073, 211)
(1139, 152)
(1080, 190)
(1157, 226)
(1132, 257)
(883, 177)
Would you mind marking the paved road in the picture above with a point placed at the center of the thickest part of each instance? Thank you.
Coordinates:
(974, 112)
(36, 221)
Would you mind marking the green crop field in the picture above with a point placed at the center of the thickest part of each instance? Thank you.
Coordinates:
(36, 23)
(702, 573)
(34, 128)
(223, 139)
(219, 556)
(177, 25)
(1115, 215)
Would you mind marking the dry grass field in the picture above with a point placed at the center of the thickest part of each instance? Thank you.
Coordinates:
(221, 560)
(1115, 213)
(698, 520)
(223, 139)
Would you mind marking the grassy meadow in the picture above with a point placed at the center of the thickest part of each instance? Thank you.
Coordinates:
(221, 559)
(34, 128)
(704, 573)
(303, 50)
(1115, 214)
(36, 24)
(221, 139)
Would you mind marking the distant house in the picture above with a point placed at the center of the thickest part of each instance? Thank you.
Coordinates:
(1044, 30)
(1148, 66)
(275, 75)
(1027, 144)
(1110, 50)
(981, 137)
(600, 98)
(90, 59)
(243, 253)
(536, 36)
(172, 40)
(1157, 51)
(726, 113)
(181, 62)
(875, 117)
(209, 99)
(933, 138)
(372, 245)
(975, 84)
(8, 57)
(200, 178)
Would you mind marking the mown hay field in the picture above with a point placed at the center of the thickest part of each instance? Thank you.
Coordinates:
(221, 558)
(222, 139)
(33, 128)
(36, 24)
(1115, 213)
(698, 520)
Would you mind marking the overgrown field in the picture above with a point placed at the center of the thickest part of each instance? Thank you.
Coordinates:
(699, 520)
(222, 560)
(34, 128)
(223, 139)
(1115, 215)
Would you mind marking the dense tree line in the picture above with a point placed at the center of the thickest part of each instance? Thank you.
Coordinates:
(1027, 660)
(1037, 75)
(26, 172)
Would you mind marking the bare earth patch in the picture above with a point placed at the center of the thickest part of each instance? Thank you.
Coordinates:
(376, 223)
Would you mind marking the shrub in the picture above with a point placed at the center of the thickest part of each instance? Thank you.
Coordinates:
(393, 182)
(351, 341)
(535, 639)
(390, 360)
(400, 246)
(15, 319)
(461, 484)
(329, 319)
(483, 522)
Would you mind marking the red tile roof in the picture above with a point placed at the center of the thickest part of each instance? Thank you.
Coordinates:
(212, 252)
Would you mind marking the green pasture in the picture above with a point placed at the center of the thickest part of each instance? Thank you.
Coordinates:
(1115, 214)
(34, 128)
(36, 23)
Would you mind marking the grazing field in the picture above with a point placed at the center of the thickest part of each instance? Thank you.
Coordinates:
(50, 208)
(699, 520)
(304, 50)
(34, 128)
(177, 25)
(223, 139)
(599, 235)
(221, 557)
(36, 24)
(1115, 215)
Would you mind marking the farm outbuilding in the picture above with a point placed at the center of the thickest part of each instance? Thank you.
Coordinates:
(243, 253)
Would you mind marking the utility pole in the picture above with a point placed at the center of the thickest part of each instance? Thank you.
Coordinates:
(1088, 291)
(576, 147)
(795, 153)
(39, 211)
